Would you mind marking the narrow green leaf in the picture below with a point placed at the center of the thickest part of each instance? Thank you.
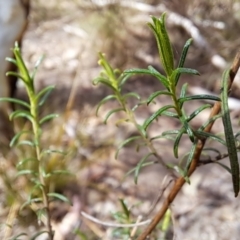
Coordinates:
(225, 167)
(17, 75)
(104, 100)
(197, 111)
(26, 142)
(168, 137)
(25, 172)
(191, 155)
(21, 113)
(36, 66)
(169, 114)
(213, 119)
(205, 135)
(57, 172)
(131, 94)
(26, 160)
(125, 208)
(47, 118)
(22, 67)
(199, 97)
(13, 100)
(213, 150)
(187, 128)
(150, 71)
(183, 58)
(11, 60)
(163, 43)
(156, 94)
(29, 202)
(17, 136)
(229, 136)
(170, 132)
(155, 116)
(124, 77)
(124, 143)
(177, 141)
(142, 130)
(138, 105)
(159, 76)
(60, 197)
(183, 93)
(143, 165)
(44, 94)
(139, 166)
(104, 81)
(181, 172)
(111, 112)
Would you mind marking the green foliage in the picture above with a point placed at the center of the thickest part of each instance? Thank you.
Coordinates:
(116, 80)
(34, 168)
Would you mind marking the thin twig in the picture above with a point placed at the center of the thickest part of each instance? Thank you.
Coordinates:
(212, 160)
(181, 180)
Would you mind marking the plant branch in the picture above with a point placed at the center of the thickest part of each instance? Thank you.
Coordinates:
(180, 181)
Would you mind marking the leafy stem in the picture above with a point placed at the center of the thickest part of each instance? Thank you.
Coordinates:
(33, 116)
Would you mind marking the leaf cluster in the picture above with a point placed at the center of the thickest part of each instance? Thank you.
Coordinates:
(176, 109)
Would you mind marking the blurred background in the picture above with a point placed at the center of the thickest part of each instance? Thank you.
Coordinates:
(70, 33)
